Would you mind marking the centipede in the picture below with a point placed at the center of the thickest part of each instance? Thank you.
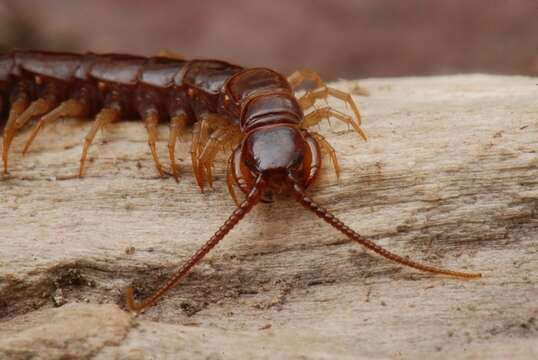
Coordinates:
(264, 117)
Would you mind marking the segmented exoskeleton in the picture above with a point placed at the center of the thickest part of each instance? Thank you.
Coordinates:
(254, 110)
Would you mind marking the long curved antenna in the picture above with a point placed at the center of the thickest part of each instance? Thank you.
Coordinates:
(308, 203)
(237, 215)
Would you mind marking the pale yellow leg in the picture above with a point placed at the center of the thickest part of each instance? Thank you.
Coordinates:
(327, 148)
(69, 108)
(207, 155)
(324, 92)
(104, 117)
(200, 135)
(177, 126)
(194, 154)
(299, 76)
(38, 107)
(321, 91)
(151, 122)
(17, 108)
(316, 116)
(217, 141)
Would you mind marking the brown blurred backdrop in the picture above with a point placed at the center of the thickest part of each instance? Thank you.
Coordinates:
(338, 38)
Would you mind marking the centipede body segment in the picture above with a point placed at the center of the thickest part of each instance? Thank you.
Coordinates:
(255, 111)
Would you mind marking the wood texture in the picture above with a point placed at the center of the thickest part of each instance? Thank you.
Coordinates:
(449, 176)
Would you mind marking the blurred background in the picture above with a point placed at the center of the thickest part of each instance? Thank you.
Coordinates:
(338, 38)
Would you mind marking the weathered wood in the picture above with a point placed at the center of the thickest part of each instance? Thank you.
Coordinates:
(449, 176)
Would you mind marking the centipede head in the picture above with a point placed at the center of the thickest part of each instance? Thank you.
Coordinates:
(274, 152)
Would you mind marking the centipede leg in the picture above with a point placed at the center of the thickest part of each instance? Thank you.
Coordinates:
(300, 76)
(197, 146)
(216, 141)
(69, 108)
(177, 126)
(104, 117)
(243, 179)
(326, 147)
(207, 154)
(318, 115)
(37, 107)
(200, 137)
(50, 97)
(324, 92)
(17, 108)
(321, 91)
(151, 121)
(51, 94)
(196, 129)
(313, 160)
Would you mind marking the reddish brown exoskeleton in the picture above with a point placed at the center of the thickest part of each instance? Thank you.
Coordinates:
(254, 110)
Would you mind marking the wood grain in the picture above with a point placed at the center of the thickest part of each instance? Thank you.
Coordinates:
(449, 176)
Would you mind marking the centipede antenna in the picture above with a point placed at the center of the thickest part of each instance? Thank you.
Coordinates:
(228, 225)
(324, 214)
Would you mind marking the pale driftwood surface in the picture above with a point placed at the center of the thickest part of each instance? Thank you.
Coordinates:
(449, 176)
